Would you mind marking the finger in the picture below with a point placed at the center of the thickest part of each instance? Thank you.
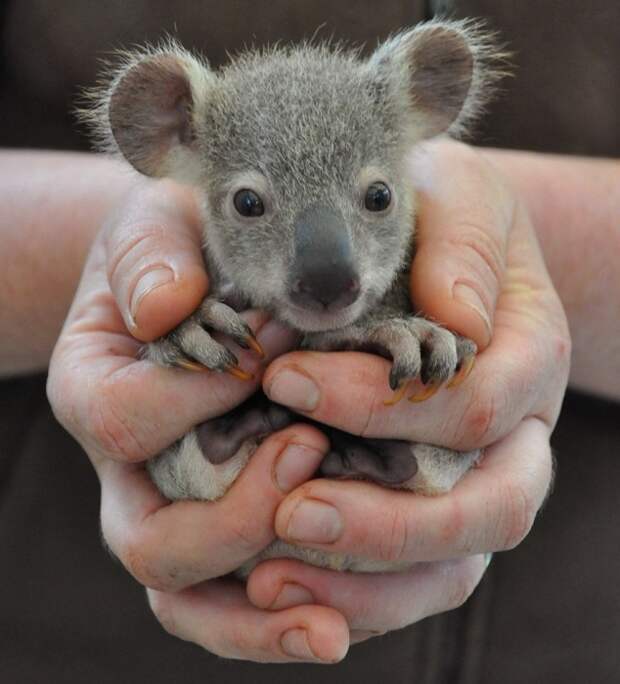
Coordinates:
(154, 259)
(464, 216)
(218, 616)
(171, 546)
(523, 372)
(129, 410)
(491, 509)
(370, 602)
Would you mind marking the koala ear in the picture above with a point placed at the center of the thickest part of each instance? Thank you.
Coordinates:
(151, 109)
(439, 71)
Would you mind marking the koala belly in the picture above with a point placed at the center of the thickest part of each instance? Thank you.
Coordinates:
(184, 471)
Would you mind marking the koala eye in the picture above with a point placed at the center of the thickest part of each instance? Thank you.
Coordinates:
(248, 203)
(378, 197)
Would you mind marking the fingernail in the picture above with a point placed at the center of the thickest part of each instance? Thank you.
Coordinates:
(295, 465)
(294, 389)
(295, 643)
(488, 557)
(292, 595)
(468, 296)
(314, 522)
(148, 282)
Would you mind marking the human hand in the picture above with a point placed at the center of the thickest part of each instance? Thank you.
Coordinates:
(144, 275)
(478, 270)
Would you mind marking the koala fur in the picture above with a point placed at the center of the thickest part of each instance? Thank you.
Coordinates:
(299, 153)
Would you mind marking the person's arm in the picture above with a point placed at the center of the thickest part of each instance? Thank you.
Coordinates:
(574, 204)
(52, 205)
(54, 202)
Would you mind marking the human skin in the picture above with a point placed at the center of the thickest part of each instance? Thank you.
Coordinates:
(437, 586)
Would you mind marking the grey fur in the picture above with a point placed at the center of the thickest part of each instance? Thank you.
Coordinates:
(308, 129)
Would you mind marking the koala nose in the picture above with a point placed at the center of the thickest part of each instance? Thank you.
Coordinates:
(327, 289)
(323, 275)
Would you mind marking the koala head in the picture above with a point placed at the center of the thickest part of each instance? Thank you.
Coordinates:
(299, 153)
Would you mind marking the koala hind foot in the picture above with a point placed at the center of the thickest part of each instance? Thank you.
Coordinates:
(205, 462)
(421, 468)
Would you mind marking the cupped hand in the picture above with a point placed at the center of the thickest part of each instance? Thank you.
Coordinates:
(479, 271)
(143, 276)
(471, 232)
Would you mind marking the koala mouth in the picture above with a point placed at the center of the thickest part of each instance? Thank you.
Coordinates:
(307, 319)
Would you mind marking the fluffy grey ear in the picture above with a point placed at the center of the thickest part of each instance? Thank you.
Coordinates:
(149, 111)
(442, 72)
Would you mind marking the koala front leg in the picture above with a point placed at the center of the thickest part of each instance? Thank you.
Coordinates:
(417, 348)
(190, 346)
(204, 463)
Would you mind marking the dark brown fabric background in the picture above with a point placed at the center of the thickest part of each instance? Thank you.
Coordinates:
(546, 612)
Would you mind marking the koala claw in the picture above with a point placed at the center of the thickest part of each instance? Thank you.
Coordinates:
(398, 395)
(462, 372)
(190, 346)
(191, 366)
(427, 392)
(235, 371)
(239, 373)
(254, 345)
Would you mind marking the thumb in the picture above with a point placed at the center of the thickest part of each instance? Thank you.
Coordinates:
(154, 260)
(464, 216)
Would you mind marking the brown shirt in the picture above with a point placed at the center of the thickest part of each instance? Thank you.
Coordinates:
(546, 612)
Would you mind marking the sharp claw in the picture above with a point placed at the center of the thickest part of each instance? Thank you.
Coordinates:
(236, 372)
(427, 392)
(463, 372)
(191, 366)
(397, 396)
(253, 343)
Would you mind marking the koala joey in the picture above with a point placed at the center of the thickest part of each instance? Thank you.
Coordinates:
(299, 154)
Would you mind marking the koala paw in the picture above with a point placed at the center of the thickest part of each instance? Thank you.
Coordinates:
(191, 346)
(421, 348)
(221, 438)
(418, 349)
(388, 462)
(204, 463)
(420, 468)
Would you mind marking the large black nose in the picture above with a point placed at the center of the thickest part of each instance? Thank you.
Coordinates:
(323, 275)
(325, 289)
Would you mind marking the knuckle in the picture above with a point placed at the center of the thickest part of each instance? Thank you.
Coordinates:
(454, 532)
(248, 533)
(59, 397)
(563, 350)
(462, 584)
(479, 423)
(160, 604)
(131, 243)
(364, 611)
(519, 513)
(113, 431)
(484, 253)
(240, 642)
(394, 540)
(139, 559)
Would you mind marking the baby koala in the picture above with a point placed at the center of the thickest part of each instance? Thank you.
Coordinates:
(300, 153)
